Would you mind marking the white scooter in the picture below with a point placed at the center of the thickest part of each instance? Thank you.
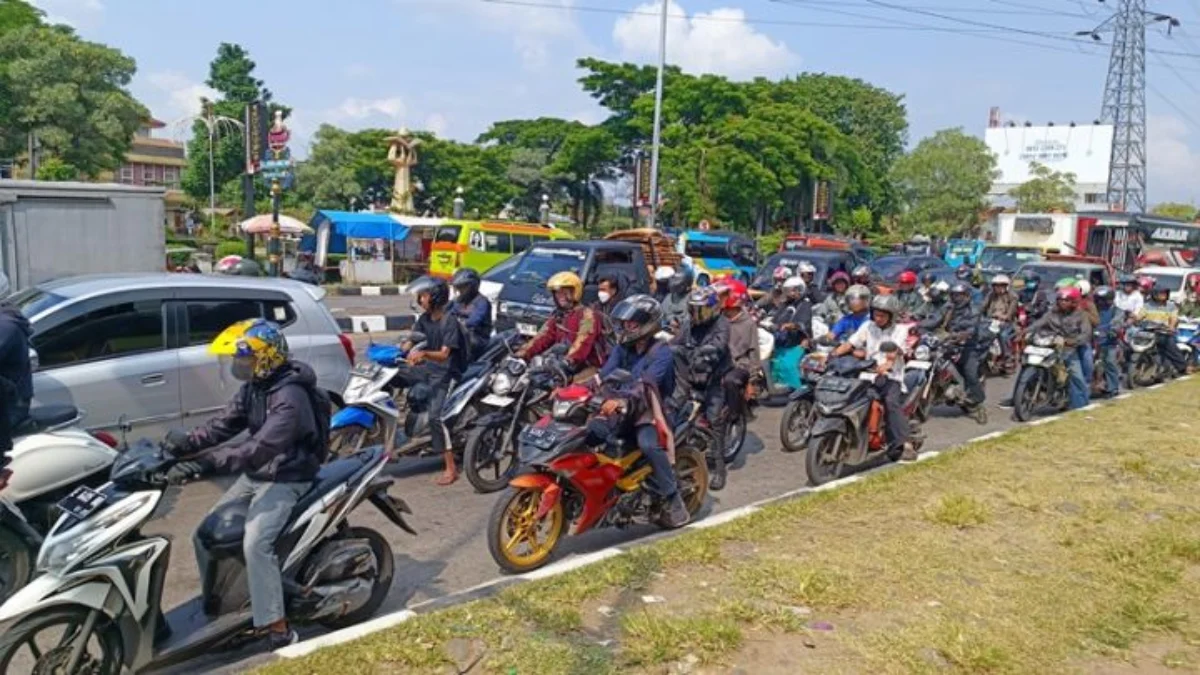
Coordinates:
(51, 456)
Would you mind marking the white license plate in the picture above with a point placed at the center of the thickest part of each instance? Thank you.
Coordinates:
(527, 329)
(995, 326)
(1038, 351)
(1034, 359)
(918, 365)
(867, 377)
(498, 401)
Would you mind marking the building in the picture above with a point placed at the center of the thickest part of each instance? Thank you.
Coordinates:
(156, 162)
(1082, 149)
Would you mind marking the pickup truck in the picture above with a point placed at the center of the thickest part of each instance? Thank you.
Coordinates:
(525, 304)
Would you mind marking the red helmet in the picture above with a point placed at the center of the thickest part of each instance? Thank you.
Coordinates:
(908, 277)
(1146, 284)
(1071, 293)
(732, 292)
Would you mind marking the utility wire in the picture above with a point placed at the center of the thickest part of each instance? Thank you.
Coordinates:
(1187, 117)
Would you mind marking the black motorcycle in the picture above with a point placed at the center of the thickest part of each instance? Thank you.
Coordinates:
(1042, 382)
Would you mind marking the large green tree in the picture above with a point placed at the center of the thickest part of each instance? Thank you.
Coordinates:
(581, 165)
(943, 183)
(1047, 190)
(16, 14)
(72, 94)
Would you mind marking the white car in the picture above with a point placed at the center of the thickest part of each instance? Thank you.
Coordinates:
(1178, 279)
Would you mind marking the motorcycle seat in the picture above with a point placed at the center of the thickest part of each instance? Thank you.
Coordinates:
(46, 417)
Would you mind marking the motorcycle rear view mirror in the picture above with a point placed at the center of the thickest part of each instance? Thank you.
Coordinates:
(34, 359)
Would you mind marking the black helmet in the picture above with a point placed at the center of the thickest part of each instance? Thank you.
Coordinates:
(680, 282)
(1103, 296)
(246, 268)
(963, 273)
(961, 290)
(466, 282)
(642, 310)
(438, 290)
(929, 278)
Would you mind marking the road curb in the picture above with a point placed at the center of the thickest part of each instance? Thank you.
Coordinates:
(368, 290)
(375, 323)
(494, 586)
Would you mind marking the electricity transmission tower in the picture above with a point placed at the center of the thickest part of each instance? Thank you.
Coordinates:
(1124, 104)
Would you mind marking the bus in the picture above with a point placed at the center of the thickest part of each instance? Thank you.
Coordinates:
(482, 244)
(716, 254)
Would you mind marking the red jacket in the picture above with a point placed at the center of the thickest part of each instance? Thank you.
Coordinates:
(581, 328)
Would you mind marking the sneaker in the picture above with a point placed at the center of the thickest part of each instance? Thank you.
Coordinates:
(1006, 403)
(909, 454)
(979, 414)
(281, 640)
(675, 515)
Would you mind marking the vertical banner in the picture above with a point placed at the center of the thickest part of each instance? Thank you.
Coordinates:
(642, 191)
(256, 136)
(822, 200)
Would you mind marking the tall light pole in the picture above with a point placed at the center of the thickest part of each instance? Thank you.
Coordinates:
(658, 95)
(215, 125)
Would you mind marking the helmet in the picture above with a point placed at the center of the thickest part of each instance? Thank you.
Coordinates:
(1146, 284)
(1160, 288)
(466, 282)
(858, 291)
(733, 290)
(937, 290)
(1084, 286)
(861, 272)
(806, 267)
(1032, 279)
(1104, 296)
(1126, 279)
(929, 278)
(254, 349)
(781, 274)
(794, 284)
(960, 290)
(839, 276)
(438, 290)
(565, 280)
(908, 277)
(1066, 282)
(1001, 280)
(704, 305)
(238, 266)
(963, 273)
(664, 273)
(636, 317)
(886, 303)
(680, 282)
(1068, 293)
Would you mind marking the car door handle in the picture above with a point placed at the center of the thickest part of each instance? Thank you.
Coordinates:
(154, 380)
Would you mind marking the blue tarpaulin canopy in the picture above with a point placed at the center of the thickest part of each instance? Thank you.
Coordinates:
(343, 225)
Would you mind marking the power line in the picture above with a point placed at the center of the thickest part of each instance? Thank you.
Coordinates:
(1187, 117)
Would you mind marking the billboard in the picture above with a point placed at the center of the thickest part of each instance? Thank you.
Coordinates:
(1083, 150)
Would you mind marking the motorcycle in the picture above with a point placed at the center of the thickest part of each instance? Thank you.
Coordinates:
(1042, 381)
(1146, 364)
(994, 363)
(938, 381)
(798, 415)
(51, 456)
(1187, 338)
(519, 396)
(848, 430)
(102, 578)
(563, 481)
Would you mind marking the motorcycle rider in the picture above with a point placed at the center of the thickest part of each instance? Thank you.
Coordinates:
(472, 309)
(287, 418)
(1159, 309)
(861, 275)
(1070, 324)
(834, 306)
(774, 298)
(881, 339)
(933, 312)
(928, 279)
(1112, 318)
(961, 323)
(675, 306)
(1001, 305)
(808, 272)
(1030, 296)
(662, 281)
(16, 372)
(793, 320)
(608, 294)
(571, 324)
(706, 340)
(1087, 352)
(1129, 298)
(858, 299)
(650, 362)
(907, 294)
(743, 348)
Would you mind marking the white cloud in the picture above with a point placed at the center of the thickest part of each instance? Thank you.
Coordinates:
(1172, 163)
(359, 109)
(74, 13)
(535, 31)
(718, 42)
(176, 96)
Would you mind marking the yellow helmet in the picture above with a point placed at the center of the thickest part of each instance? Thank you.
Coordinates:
(256, 348)
(566, 280)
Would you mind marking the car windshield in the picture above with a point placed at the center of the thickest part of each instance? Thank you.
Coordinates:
(791, 260)
(1171, 281)
(718, 250)
(539, 264)
(500, 271)
(1050, 275)
(34, 301)
(890, 267)
(1008, 258)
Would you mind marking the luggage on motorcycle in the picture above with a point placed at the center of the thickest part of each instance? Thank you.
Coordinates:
(785, 366)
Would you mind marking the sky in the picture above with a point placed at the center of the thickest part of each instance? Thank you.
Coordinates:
(455, 66)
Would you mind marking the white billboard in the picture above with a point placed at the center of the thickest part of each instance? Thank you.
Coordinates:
(1083, 150)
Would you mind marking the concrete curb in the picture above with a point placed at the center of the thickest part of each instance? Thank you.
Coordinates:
(491, 588)
(375, 323)
(367, 290)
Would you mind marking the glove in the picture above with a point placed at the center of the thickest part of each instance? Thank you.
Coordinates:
(186, 472)
(178, 443)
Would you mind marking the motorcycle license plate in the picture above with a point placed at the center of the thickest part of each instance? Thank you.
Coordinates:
(498, 401)
(1034, 359)
(1038, 351)
(867, 377)
(919, 365)
(82, 502)
(541, 437)
(995, 326)
(527, 329)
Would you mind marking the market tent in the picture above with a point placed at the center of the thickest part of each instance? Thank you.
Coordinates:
(333, 228)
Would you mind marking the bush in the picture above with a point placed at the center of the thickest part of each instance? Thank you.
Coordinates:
(230, 247)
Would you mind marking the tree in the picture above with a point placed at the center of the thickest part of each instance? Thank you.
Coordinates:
(1047, 191)
(1176, 210)
(72, 94)
(943, 183)
(583, 160)
(54, 169)
(16, 14)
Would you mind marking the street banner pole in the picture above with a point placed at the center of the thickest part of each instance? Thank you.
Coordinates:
(658, 95)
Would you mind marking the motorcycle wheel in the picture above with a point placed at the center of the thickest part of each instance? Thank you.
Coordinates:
(489, 450)
(794, 425)
(385, 568)
(59, 628)
(816, 460)
(1142, 371)
(735, 439)
(1025, 395)
(513, 523)
(16, 564)
(691, 475)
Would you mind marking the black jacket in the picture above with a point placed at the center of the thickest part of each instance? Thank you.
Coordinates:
(15, 332)
(961, 322)
(286, 442)
(713, 338)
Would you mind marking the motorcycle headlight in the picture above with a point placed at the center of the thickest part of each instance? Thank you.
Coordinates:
(561, 409)
(502, 384)
(72, 545)
(922, 353)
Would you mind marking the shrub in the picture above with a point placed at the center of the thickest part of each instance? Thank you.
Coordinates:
(230, 247)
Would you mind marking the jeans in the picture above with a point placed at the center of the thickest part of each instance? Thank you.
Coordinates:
(896, 424)
(270, 507)
(1077, 386)
(662, 476)
(1112, 372)
(1006, 338)
(968, 366)
(1087, 360)
(1171, 354)
(432, 384)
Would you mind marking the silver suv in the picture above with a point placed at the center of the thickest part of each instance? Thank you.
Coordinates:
(135, 346)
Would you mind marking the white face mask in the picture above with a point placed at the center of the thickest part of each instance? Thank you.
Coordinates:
(604, 296)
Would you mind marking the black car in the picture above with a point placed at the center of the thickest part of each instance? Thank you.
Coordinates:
(888, 268)
(827, 261)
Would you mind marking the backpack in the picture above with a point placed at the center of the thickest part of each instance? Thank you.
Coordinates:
(322, 407)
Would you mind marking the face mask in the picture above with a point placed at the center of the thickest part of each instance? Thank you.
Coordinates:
(604, 296)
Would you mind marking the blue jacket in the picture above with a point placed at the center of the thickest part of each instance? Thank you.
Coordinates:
(1110, 320)
(476, 317)
(655, 367)
(846, 325)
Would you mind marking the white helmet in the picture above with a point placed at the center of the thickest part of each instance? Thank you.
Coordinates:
(5, 287)
(943, 286)
(805, 267)
(794, 282)
(1085, 288)
(664, 273)
(858, 291)
(1001, 280)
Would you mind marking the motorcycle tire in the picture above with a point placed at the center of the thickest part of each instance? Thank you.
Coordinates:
(16, 563)
(817, 470)
(381, 585)
(485, 448)
(499, 541)
(14, 640)
(735, 440)
(1023, 410)
(793, 428)
(691, 475)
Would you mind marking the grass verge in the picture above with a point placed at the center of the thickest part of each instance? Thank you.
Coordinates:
(1073, 546)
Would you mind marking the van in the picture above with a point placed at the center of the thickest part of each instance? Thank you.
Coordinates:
(719, 254)
(481, 244)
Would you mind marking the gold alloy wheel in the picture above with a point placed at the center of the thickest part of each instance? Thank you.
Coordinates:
(525, 541)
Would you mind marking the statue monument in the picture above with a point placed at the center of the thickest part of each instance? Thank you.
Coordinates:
(402, 153)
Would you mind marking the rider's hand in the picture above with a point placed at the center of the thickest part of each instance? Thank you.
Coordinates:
(883, 369)
(177, 443)
(415, 358)
(610, 407)
(186, 472)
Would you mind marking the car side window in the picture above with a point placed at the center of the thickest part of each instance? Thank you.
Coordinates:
(207, 318)
(617, 264)
(1098, 278)
(520, 242)
(497, 242)
(118, 330)
(279, 311)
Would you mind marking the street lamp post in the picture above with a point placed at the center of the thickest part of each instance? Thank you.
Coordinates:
(658, 96)
(215, 124)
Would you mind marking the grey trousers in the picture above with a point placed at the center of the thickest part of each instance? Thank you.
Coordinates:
(270, 506)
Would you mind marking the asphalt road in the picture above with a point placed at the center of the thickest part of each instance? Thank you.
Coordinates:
(350, 305)
(450, 553)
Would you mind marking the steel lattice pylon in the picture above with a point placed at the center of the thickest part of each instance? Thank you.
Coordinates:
(1124, 107)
